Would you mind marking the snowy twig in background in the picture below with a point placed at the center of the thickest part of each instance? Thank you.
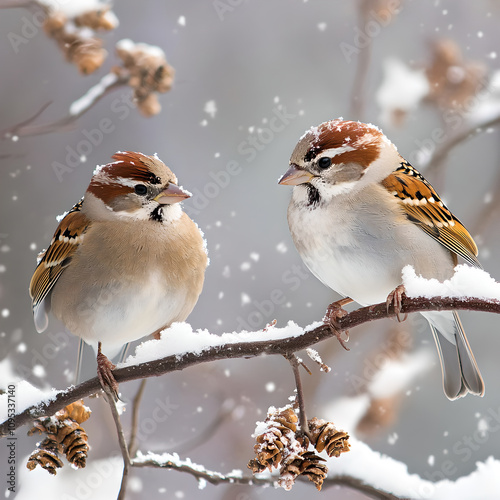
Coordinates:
(438, 157)
(218, 421)
(144, 69)
(314, 355)
(108, 83)
(203, 475)
(132, 444)
(173, 461)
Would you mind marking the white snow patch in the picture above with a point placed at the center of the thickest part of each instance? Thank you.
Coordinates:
(181, 21)
(210, 108)
(392, 438)
(245, 299)
(180, 339)
(392, 476)
(245, 266)
(402, 89)
(73, 8)
(395, 375)
(466, 282)
(26, 395)
(92, 94)
(99, 480)
(281, 247)
(39, 371)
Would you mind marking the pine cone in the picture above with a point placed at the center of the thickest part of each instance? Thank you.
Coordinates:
(272, 443)
(325, 436)
(64, 436)
(305, 464)
(48, 460)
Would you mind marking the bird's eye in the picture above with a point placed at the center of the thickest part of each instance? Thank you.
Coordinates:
(324, 162)
(140, 189)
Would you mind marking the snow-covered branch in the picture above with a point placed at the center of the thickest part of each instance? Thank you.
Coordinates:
(203, 475)
(202, 347)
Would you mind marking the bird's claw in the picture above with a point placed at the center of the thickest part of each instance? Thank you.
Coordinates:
(105, 373)
(395, 299)
(335, 312)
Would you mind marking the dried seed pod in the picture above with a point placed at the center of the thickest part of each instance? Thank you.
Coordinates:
(148, 71)
(325, 436)
(100, 19)
(453, 80)
(149, 106)
(54, 24)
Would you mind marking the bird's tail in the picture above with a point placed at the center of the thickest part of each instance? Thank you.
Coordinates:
(460, 371)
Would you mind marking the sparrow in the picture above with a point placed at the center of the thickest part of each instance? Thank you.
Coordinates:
(359, 213)
(124, 262)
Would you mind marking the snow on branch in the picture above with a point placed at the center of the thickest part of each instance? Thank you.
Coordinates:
(180, 347)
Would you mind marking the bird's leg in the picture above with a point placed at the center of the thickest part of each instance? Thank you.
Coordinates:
(105, 373)
(335, 312)
(395, 299)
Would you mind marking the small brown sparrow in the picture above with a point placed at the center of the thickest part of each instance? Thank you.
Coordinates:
(124, 262)
(359, 213)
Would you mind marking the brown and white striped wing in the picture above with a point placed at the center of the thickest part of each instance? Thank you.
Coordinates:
(424, 207)
(52, 262)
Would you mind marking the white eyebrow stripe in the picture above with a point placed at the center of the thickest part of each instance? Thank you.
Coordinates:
(330, 153)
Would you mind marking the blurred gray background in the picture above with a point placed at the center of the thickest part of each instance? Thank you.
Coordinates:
(256, 60)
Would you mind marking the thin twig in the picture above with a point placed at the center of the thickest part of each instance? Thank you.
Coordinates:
(207, 433)
(108, 84)
(25, 4)
(121, 440)
(440, 154)
(363, 64)
(245, 350)
(212, 477)
(132, 444)
(294, 361)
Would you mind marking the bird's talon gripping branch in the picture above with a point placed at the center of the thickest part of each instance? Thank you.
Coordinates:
(335, 312)
(105, 373)
(395, 299)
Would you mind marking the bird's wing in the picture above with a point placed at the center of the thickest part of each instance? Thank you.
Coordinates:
(423, 206)
(52, 262)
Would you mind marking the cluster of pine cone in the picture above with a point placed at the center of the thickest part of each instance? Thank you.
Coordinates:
(280, 445)
(65, 436)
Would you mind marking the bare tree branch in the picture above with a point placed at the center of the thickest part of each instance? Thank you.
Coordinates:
(295, 363)
(121, 440)
(363, 64)
(247, 349)
(108, 84)
(132, 444)
(440, 154)
(200, 473)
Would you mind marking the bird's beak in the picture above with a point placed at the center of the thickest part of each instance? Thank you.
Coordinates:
(295, 176)
(173, 194)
